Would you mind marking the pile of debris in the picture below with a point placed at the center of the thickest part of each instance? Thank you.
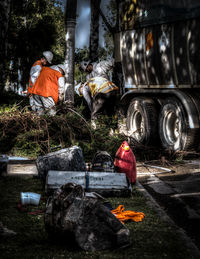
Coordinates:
(70, 212)
(75, 206)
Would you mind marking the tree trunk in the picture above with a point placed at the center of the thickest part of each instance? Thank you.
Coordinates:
(117, 76)
(4, 19)
(70, 18)
(94, 30)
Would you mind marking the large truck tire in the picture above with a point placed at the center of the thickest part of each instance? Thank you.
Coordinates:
(142, 120)
(175, 133)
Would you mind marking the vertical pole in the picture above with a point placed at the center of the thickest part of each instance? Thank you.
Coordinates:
(94, 30)
(70, 50)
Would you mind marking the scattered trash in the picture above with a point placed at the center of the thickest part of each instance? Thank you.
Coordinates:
(102, 162)
(29, 209)
(70, 213)
(30, 198)
(21, 208)
(88, 166)
(68, 159)
(125, 162)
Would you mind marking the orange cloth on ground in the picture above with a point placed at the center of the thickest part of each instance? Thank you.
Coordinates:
(123, 215)
(47, 83)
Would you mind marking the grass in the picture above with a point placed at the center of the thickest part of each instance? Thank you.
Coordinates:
(151, 238)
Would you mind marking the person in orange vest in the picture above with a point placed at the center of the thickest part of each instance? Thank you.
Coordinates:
(45, 60)
(48, 89)
(100, 95)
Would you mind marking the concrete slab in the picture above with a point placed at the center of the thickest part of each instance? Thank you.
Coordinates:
(159, 186)
(22, 169)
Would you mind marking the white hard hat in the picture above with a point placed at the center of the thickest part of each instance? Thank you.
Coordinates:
(84, 64)
(48, 55)
(76, 89)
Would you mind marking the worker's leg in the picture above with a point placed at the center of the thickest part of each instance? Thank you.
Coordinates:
(110, 103)
(48, 105)
(36, 104)
(104, 103)
(98, 105)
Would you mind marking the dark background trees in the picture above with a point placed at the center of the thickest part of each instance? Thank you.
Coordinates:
(34, 26)
(4, 20)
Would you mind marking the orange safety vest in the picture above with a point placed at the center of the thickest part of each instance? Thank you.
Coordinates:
(47, 83)
(30, 83)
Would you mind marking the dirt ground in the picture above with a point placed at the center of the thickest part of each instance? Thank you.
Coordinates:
(176, 188)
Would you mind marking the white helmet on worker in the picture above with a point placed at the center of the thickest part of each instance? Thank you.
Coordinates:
(48, 55)
(84, 64)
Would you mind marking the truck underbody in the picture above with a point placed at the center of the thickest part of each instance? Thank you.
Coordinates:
(167, 116)
(160, 61)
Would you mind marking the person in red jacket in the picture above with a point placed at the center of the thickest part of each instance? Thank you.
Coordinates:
(48, 89)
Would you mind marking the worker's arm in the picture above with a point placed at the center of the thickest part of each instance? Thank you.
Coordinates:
(34, 73)
(61, 88)
(106, 65)
(87, 96)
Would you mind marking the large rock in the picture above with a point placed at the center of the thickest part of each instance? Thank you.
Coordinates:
(70, 213)
(68, 159)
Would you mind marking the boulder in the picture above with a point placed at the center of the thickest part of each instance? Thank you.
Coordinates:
(68, 159)
(71, 213)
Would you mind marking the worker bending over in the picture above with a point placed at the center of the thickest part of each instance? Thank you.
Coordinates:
(45, 60)
(100, 95)
(95, 69)
(48, 89)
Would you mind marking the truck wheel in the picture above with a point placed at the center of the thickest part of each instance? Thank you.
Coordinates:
(174, 130)
(142, 120)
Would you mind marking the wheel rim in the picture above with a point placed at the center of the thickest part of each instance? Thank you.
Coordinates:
(137, 126)
(172, 128)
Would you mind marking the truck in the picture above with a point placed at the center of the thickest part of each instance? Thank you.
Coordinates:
(159, 51)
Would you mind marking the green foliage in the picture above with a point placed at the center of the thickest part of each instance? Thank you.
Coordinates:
(30, 135)
(81, 54)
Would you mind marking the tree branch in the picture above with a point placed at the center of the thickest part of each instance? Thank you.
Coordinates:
(110, 28)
